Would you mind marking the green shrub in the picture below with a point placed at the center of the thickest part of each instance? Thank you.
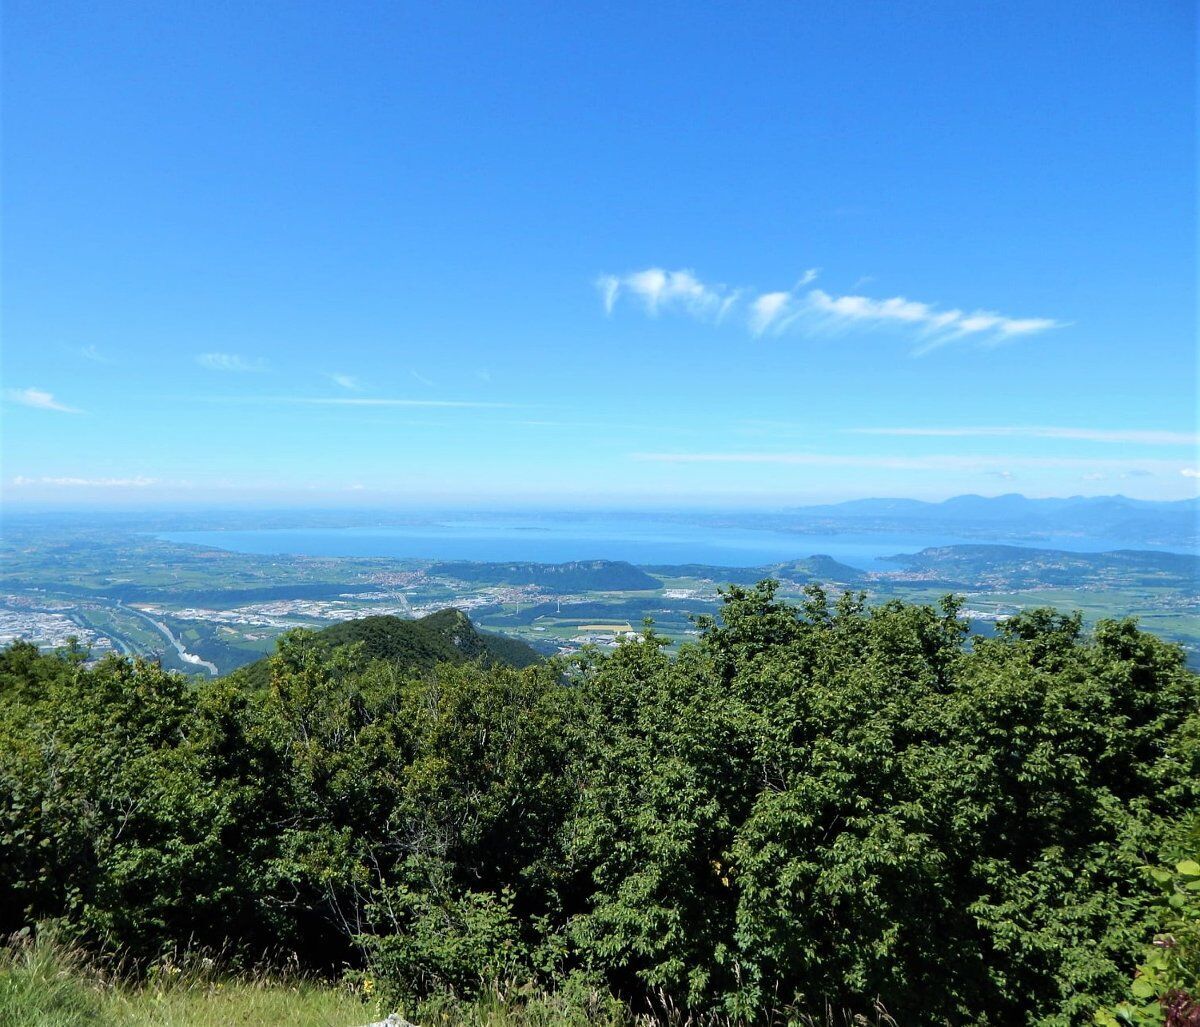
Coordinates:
(1166, 987)
(827, 805)
(808, 809)
(453, 944)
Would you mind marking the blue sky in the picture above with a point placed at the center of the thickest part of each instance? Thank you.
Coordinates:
(621, 254)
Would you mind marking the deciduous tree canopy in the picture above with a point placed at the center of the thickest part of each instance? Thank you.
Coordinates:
(826, 804)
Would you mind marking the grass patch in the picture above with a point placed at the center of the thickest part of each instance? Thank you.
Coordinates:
(44, 983)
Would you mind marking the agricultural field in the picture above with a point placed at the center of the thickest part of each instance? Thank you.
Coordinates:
(208, 611)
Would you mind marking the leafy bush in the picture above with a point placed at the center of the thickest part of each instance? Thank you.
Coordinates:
(452, 944)
(1166, 989)
(831, 804)
(808, 809)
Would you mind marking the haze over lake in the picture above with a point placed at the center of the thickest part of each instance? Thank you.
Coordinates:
(636, 539)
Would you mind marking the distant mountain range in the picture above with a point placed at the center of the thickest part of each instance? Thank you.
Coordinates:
(1112, 518)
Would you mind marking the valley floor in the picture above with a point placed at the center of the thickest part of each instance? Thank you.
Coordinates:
(203, 610)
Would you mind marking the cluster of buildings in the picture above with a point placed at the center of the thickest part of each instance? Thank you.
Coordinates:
(47, 624)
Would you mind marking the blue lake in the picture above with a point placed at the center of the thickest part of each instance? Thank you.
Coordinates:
(639, 540)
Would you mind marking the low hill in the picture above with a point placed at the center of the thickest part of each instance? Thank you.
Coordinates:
(984, 566)
(576, 576)
(817, 568)
(447, 636)
(809, 569)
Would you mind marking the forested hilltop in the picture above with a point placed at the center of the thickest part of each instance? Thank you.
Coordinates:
(447, 636)
(810, 807)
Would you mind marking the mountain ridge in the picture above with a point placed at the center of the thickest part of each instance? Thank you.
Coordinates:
(447, 636)
(972, 500)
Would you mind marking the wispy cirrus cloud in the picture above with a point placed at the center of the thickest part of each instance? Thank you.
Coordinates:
(661, 291)
(229, 362)
(39, 399)
(934, 327)
(107, 483)
(768, 309)
(1125, 475)
(932, 462)
(345, 381)
(364, 401)
(814, 311)
(91, 353)
(1124, 436)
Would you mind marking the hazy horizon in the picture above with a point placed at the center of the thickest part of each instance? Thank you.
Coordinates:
(487, 505)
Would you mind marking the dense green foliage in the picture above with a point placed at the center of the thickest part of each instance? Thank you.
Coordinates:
(807, 807)
(447, 636)
(1166, 987)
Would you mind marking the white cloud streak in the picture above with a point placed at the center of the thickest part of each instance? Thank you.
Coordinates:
(935, 327)
(934, 462)
(346, 381)
(39, 399)
(365, 402)
(347, 401)
(229, 362)
(660, 291)
(814, 311)
(106, 483)
(1124, 436)
(769, 309)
